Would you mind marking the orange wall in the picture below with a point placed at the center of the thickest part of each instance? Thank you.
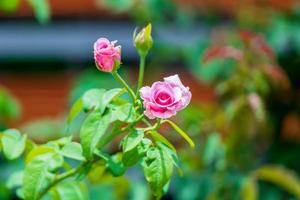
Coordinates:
(46, 95)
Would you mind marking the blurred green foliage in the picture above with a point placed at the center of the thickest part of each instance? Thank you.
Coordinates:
(40, 8)
(9, 107)
(237, 131)
(9, 111)
(9, 6)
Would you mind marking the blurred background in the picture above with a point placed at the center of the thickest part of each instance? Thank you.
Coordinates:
(240, 58)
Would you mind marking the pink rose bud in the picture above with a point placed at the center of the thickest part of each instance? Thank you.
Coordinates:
(107, 56)
(164, 99)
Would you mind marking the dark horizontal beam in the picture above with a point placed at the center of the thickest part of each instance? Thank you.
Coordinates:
(72, 41)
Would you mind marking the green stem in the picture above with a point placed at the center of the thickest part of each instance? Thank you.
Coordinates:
(62, 177)
(122, 130)
(123, 82)
(141, 74)
(154, 127)
(180, 131)
(147, 122)
(158, 122)
(67, 166)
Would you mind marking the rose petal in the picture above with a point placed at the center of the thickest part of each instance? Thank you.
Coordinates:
(177, 94)
(145, 93)
(173, 80)
(101, 43)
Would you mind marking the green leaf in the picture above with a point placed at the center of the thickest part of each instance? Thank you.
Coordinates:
(281, 177)
(212, 148)
(73, 150)
(55, 161)
(9, 106)
(37, 177)
(171, 152)
(216, 69)
(115, 165)
(158, 169)
(134, 155)
(113, 132)
(249, 190)
(38, 151)
(92, 98)
(144, 146)
(181, 132)
(117, 5)
(97, 172)
(132, 139)
(87, 102)
(131, 157)
(92, 130)
(41, 10)
(159, 137)
(124, 113)
(75, 110)
(15, 180)
(69, 191)
(13, 143)
(49, 150)
(20, 193)
(166, 187)
(62, 141)
(1, 135)
(108, 96)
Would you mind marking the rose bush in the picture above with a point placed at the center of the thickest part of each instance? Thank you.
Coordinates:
(58, 167)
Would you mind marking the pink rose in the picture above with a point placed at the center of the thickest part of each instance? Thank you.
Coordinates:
(107, 56)
(164, 99)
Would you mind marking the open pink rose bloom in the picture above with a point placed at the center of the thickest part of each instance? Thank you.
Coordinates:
(106, 54)
(164, 99)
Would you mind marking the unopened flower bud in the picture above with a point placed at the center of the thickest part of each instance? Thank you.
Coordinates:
(143, 40)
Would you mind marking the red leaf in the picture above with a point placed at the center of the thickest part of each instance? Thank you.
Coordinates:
(256, 41)
(222, 52)
(277, 76)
